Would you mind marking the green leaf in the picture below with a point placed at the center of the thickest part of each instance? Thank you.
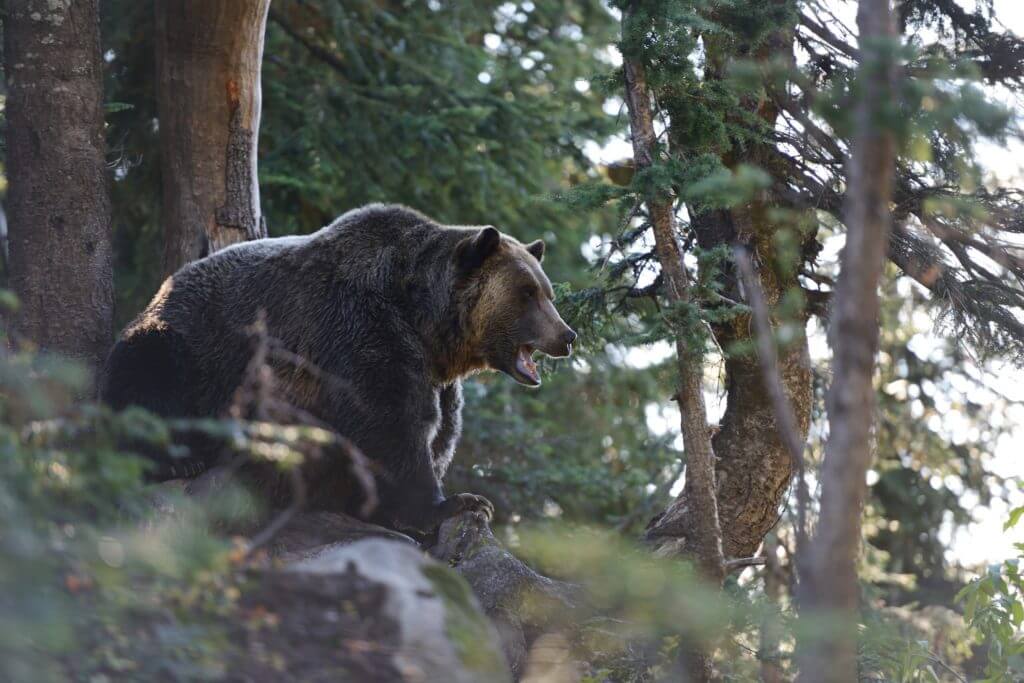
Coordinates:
(965, 591)
(1015, 515)
(970, 607)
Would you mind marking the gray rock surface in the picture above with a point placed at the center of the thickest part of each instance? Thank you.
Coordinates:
(356, 601)
(432, 626)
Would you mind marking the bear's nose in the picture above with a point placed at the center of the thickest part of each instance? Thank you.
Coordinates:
(569, 337)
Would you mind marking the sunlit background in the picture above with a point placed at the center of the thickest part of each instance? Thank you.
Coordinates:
(983, 541)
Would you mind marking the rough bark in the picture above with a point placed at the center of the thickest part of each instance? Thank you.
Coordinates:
(788, 428)
(208, 87)
(57, 204)
(755, 467)
(830, 590)
(696, 507)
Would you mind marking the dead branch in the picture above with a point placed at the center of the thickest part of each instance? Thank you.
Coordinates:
(257, 396)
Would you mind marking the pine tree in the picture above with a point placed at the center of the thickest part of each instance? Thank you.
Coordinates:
(57, 205)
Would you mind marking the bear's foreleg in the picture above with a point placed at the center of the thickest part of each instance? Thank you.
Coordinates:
(411, 498)
(448, 433)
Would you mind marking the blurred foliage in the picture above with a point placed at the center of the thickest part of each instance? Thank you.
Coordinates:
(638, 609)
(926, 462)
(86, 593)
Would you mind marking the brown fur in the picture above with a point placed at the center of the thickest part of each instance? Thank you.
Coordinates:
(491, 304)
(389, 308)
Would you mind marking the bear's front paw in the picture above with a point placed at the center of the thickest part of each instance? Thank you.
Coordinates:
(467, 502)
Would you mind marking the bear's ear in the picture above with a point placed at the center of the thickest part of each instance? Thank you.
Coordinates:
(537, 249)
(473, 251)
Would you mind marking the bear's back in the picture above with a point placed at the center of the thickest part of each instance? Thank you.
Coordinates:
(226, 283)
(321, 294)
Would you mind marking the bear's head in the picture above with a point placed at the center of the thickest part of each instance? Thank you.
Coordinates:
(512, 312)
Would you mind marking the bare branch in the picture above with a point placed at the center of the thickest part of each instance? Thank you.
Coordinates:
(257, 397)
(744, 562)
(827, 36)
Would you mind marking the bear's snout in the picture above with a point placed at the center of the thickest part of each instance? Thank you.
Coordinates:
(554, 337)
(568, 337)
(559, 344)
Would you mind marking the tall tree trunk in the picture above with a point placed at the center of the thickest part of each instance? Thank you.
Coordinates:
(208, 86)
(57, 204)
(697, 503)
(830, 591)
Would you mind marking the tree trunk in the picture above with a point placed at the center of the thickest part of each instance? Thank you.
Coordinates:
(208, 86)
(754, 467)
(57, 204)
(771, 623)
(697, 503)
(830, 590)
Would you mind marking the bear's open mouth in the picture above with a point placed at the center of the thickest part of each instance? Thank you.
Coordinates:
(526, 367)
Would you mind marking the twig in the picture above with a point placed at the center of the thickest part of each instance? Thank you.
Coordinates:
(256, 395)
(326, 56)
(828, 37)
(281, 519)
(744, 562)
(938, 660)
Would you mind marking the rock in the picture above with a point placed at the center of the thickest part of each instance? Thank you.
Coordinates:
(413, 614)
(310, 534)
(517, 599)
(368, 610)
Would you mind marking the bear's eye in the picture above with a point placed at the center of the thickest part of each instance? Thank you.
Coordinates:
(526, 293)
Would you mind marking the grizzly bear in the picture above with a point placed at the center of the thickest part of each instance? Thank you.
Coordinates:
(393, 309)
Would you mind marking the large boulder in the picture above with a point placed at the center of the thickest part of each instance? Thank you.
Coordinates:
(370, 610)
(414, 615)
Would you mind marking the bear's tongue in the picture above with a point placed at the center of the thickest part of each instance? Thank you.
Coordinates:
(525, 365)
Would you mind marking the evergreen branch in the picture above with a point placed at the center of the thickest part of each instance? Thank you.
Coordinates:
(828, 37)
(326, 56)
